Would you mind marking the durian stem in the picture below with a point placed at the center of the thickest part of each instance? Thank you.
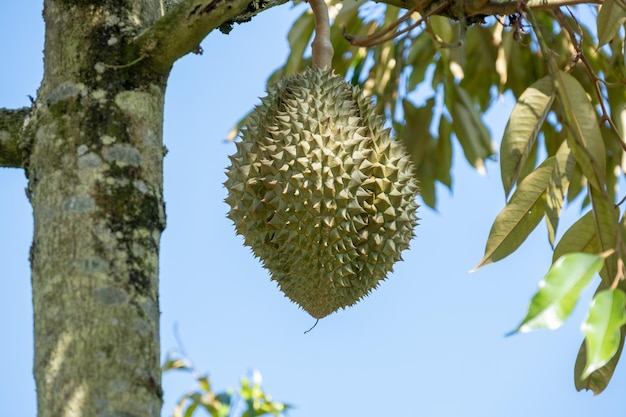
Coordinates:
(322, 48)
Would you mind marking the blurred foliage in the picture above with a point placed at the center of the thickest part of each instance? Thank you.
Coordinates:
(248, 401)
(435, 80)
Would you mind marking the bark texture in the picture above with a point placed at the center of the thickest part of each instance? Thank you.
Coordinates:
(12, 123)
(95, 184)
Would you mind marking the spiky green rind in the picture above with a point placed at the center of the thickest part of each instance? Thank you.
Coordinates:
(321, 192)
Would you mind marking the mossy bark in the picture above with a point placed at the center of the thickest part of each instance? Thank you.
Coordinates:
(12, 123)
(95, 184)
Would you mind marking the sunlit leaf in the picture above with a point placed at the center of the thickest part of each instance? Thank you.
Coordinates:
(480, 52)
(348, 20)
(580, 237)
(468, 127)
(500, 62)
(180, 406)
(611, 16)
(172, 363)
(523, 128)
(444, 153)
(615, 154)
(416, 130)
(602, 328)
(420, 58)
(577, 184)
(190, 410)
(299, 38)
(606, 220)
(599, 379)
(557, 188)
(520, 216)
(384, 76)
(559, 291)
(581, 120)
(420, 145)
(530, 164)
(205, 383)
(443, 27)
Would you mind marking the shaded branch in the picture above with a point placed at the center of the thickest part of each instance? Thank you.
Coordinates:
(182, 28)
(11, 138)
(474, 10)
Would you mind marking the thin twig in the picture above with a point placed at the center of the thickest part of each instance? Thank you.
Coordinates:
(384, 35)
(371, 40)
(580, 56)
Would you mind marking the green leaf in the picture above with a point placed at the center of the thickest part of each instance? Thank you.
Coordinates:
(577, 184)
(599, 379)
(190, 410)
(580, 237)
(559, 291)
(602, 328)
(606, 217)
(520, 216)
(415, 133)
(180, 406)
(299, 37)
(444, 153)
(347, 20)
(205, 383)
(443, 27)
(420, 58)
(523, 128)
(384, 76)
(172, 363)
(557, 188)
(469, 128)
(611, 16)
(581, 120)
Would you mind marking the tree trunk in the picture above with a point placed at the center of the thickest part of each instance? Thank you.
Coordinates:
(95, 184)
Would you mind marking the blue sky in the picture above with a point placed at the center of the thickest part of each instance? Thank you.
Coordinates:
(428, 342)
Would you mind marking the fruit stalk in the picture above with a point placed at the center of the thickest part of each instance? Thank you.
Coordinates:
(322, 47)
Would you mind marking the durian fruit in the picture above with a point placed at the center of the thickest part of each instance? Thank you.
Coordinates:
(321, 192)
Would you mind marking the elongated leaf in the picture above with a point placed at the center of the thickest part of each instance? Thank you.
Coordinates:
(444, 153)
(599, 379)
(557, 188)
(347, 19)
(520, 216)
(469, 128)
(606, 217)
(577, 184)
(443, 27)
(580, 237)
(585, 138)
(523, 128)
(610, 17)
(420, 57)
(299, 37)
(602, 328)
(559, 291)
(415, 133)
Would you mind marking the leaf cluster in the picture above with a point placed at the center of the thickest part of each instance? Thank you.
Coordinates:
(249, 400)
(435, 79)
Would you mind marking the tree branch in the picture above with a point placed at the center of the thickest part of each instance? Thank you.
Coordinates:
(182, 28)
(11, 128)
(508, 7)
(474, 10)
